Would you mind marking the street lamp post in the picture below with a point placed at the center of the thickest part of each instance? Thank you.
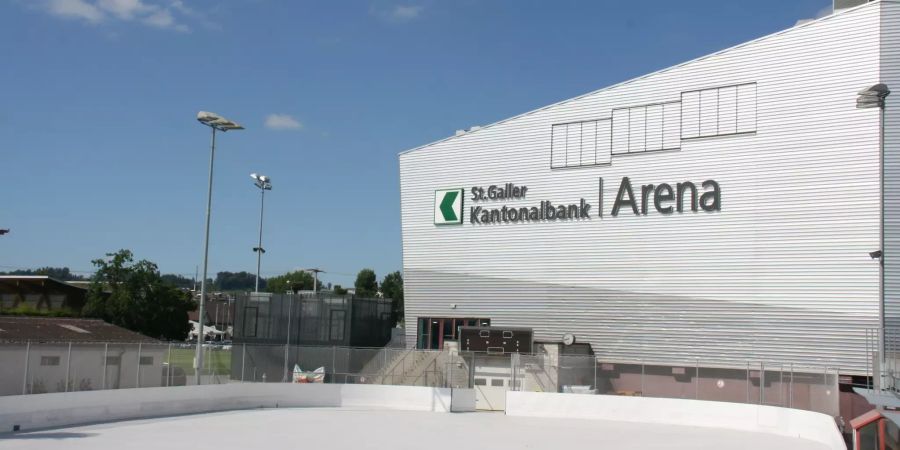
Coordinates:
(315, 273)
(264, 184)
(216, 123)
(874, 97)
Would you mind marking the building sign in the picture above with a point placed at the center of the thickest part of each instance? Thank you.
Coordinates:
(448, 206)
(663, 198)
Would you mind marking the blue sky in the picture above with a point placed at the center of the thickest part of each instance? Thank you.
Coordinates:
(101, 151)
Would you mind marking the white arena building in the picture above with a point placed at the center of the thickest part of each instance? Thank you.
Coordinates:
(731, 208)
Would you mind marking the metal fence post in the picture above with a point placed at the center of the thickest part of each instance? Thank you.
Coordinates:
(333, 360)
(286, 350)
(696, 379)
(748, 381)
(105, 359)
(68, 366)
(25, 378)
(137, 377)
(243, 359)
(762, 383)
(596, 387)
(781, 385)
(642, 378)
(169, 365)
(791, 388)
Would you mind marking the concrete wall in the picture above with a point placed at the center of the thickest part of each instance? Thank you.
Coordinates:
(73, 408)
(733, 416)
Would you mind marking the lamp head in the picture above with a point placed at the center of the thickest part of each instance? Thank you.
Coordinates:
(873, 96)
(216, 121)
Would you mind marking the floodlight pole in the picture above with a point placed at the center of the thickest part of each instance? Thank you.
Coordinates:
(882, 324)
(198, 358)
(262, 203)
(216, 123)
(874, 97)
(262, 182)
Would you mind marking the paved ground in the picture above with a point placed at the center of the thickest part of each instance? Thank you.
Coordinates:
(320, 429)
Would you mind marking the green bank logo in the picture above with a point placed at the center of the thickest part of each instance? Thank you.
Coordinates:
(448, 206)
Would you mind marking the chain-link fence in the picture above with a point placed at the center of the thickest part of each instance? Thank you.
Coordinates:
(33, 368)
(766, 383)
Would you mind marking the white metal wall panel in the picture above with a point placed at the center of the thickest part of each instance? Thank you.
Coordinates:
(781, 273)
(890, 75)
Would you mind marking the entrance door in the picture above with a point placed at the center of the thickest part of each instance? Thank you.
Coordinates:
(491, 381)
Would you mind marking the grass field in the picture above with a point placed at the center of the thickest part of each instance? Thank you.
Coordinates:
(214, 360)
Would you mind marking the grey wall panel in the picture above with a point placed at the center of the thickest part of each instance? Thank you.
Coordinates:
(784, 263)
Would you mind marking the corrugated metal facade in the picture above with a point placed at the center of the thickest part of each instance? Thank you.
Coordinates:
(890, 75)
(780, 273)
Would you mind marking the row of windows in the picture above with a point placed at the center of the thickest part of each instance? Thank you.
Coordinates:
(710, 112)
(110, 360)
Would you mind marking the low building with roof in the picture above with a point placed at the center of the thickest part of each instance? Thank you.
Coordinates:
(41, 293)
(63, 354)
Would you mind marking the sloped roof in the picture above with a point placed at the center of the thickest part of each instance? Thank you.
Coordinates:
(37, 283)
(65, 329)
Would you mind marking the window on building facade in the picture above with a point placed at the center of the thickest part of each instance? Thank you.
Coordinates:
(577, 144)
(146, 360)
(49, 360)
(646, 128)
(719, 111)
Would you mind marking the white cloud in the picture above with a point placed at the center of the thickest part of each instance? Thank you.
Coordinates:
(282, 122)
(406, 12)
(126, 9)
(156, 13)
(390, 11)
(75, 9)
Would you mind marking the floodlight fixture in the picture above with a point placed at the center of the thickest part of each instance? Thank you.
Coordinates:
(218, 122)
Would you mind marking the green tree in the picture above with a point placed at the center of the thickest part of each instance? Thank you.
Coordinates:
(366, 283)
(133, 295)
(298, 280)
(392, 288)
(178, 281)
(238, 281)
(338, 290)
